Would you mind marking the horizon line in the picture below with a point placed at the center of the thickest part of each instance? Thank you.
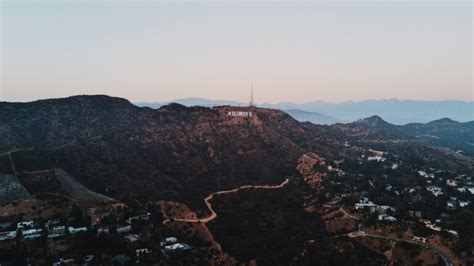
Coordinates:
(242, 102)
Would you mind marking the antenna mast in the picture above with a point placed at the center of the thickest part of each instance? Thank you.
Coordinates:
(252, 103)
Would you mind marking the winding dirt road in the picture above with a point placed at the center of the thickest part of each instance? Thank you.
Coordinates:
(208, 199)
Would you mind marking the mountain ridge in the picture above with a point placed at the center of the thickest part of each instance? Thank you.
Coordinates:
(396, 111)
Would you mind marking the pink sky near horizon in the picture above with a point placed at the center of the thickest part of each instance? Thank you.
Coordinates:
(293, 52)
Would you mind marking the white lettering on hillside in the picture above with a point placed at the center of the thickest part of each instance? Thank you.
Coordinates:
(239, 113)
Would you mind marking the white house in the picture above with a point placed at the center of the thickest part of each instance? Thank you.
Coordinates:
(168, 241)
(452, 232)
(452, 203)
(7, 235)
(387, 218)
(142, 252)
(31, 233)
(463, 204)
(431, 226)
(26, 224)
(124, 229)
(176, 247)
(419, 238)
(104, 229)
(451, 182)
(376, 158)
(57, 231)
(131, 238)
(73, 230)
(435, 190)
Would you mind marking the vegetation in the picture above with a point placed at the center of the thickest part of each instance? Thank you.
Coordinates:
(32, 160)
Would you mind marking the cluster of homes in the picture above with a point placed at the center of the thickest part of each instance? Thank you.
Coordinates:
(377, 156)
(366, 204)
(435, 227)
(335, 169)
(31, 230)
(53, 229)
(453, 191)
(461, 183)
(171, 244)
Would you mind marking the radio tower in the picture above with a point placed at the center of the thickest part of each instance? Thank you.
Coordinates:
(252, 103)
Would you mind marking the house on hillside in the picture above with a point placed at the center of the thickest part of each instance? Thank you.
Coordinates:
(386, 218)
(31, 233)
(169, 241)
(124, 229)
(435, 190)
(176, 247)
(74, 230)
(451, 182)
(27, 224)
(141, 253)
(452, 203)
(7, 235)
(57, 231)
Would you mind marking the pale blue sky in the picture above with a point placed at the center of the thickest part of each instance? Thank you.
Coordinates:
(303, 51)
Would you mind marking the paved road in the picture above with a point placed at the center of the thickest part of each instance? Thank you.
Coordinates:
(443, 255)
(208, 199)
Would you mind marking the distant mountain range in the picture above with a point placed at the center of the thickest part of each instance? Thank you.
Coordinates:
(395, 111)
(443, 132)
(313, 117)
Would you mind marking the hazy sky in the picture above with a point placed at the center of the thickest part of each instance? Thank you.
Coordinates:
(154, 51)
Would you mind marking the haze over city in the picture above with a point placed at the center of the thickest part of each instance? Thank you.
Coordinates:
(297, 52)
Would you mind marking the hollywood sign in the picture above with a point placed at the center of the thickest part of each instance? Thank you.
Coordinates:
(241, 114)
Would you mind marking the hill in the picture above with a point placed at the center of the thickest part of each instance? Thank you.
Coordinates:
(443, 132)
(113, 146)
(315, 118)
(177, 161)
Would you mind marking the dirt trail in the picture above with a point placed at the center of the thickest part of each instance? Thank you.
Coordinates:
(347, 214)
(208, 199)
(9, 154)
(12, 163)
